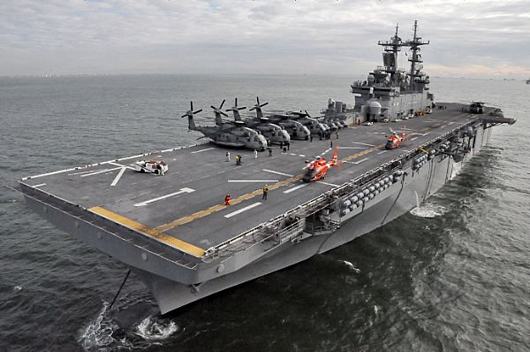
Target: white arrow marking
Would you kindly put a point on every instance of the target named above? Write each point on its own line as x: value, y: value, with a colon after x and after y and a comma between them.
x: 182, y: 190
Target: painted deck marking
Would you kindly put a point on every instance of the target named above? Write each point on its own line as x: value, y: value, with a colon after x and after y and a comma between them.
x: 294, y: 188
x: 368, y: 144
x: 328, y: 184
x: 182, y: 190
x: 213, y: 209
x: 382, y: 151
x: 350, y: 148
x: 450, y: 123
x: 200, y: 214
x: 413, y: 139
x: 169, y: 240
x: 277, y: 172
x: 360, y: 161
x: 80, y: 173
x: 228, y: 216
x: 118, y: 176
x: 39, y: 185
x: 202, y: 150
x: 126, y: 166
x: 242, y: 181
x: 100, y: 172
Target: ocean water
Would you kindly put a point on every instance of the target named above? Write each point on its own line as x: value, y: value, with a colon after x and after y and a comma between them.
x: 453, y: 275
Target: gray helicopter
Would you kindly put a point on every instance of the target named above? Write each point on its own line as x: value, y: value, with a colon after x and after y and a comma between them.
x: 272, y: 132
x: 231, y: 134
x: 316, y: 128
x: 295, y: 129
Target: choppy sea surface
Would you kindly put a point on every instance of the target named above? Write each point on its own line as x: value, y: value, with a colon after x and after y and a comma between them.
x: 453, y: 275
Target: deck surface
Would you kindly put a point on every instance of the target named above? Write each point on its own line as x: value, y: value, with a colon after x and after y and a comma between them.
x: 185, y: 208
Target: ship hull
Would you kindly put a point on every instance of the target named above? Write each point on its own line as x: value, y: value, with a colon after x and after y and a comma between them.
x: 416, y: 187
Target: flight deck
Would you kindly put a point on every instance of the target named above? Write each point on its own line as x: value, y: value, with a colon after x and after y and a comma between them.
x: 185, y: 209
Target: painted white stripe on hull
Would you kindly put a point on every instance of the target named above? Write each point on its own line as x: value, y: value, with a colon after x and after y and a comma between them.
x: 202, y: 150
x: 182, y: 190
x: 242, y: 210
x: 241, y: 181
x: 277, y: 172
x: 294, y: 188
x: 118, y: 176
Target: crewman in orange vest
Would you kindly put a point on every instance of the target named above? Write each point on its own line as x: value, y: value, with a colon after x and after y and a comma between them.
x: 227, y: 199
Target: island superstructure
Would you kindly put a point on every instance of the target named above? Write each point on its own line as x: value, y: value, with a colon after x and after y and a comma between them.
x: 176, y: 233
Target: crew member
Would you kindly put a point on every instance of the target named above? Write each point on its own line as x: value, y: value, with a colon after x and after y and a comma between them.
x: 265, y: 192
x: 228, y: 156
x: 255, y: 154
x: 227, y: 199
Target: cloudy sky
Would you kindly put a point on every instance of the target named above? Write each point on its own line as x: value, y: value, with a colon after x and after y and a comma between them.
x: 468, y: 38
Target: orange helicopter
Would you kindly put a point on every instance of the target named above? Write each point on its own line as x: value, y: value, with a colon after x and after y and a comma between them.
x: 318, y: 168
x: 394, y: 139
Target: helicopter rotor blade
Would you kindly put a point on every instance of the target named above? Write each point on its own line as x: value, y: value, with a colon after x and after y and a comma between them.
x: 222, y: 103
x: 196, y: 112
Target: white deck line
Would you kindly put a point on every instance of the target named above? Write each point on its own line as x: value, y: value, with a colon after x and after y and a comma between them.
x: 121, y: 165
x: 109, y: 161
x: 328, y: 184
x: 450, y: 123
x: 118, y: 176
x: 182, y: 190
x: 235, y: 181
x: 368, y: 144
x: 39, y: 185
x: 101, y: 171
x: 413, y: 139
x: 202, y: 150
x: 381, y: 152
x: 277, y: 172
x: 80, y: 173
x: 295, y: 188
x: 242, y: 210
x: 360, y: 161
x: 350, y: 148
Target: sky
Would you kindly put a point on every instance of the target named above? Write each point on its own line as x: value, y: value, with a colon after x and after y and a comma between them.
x: 468, y: 38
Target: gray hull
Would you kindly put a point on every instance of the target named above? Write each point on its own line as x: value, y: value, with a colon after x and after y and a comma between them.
x: 400, y: 198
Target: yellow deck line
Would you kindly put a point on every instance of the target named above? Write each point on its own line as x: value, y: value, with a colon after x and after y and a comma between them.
x: 258, y: 192
x: 169, y: 240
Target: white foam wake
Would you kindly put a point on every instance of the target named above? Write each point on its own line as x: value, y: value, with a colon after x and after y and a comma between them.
x: 428, y: 211
x: 350, y: 265
x: 98, y: 333
x: 156, y: 329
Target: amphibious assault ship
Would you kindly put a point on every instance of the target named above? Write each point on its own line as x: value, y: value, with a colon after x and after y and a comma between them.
x: 177, y: 234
